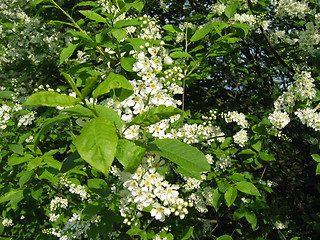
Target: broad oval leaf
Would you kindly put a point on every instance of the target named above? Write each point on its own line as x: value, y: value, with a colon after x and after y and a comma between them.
x: 179, y: 54
x: 201, y: 33
x: 119, y: 34
x: 93, y: 16
x: 129, y: 154
x: 79, y: 111
x: 155, y: 115
x: 230, y: 195
x: 251, y: 218
x: 248, y: 188
x: 216, y: 199
x: 7, y: 94
x: 51, y: 99
x: 97, y: 143
x: 110, y: 114
x: 114, y: 81
x: 231, y: 9
x: 67, y: 52
x: 186, y: 156
x: 171, y: 28
x: 127, y: 63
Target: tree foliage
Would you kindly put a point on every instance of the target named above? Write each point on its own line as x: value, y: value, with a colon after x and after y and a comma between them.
x: 143, y: 119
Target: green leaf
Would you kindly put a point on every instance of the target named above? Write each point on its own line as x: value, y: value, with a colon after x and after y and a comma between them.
x: 97, y: 143
x: 67, y: 52
x: 243, y: 27
x: 224, y: 237
x: 110, y: 114
x: 237, y: 177
x: 171, y: 28
x: 247, y: 153
x: 129, y: 154
x: 85, y: 3
x: 127, y: 23
x: 93, y: 16
x: 230, y: 195
x: 201, y: 33
x: 72, y: 84
x: 16, y: 148
x: 6, y: 94
x: 98, y: 186
x: 219, y: 26
x: 46, y: 127
x: 55, y: 22
x: 257, y: 146
x: 179, y: 54
x: 79, y: 111
x: 231, y: 10
x: 72, y: 161
x: 155, y: 115
x: 127, y: 63
x: 226, y: 143
x: 266, y: 156
x: 248, y: 188
x: 25, y: 177
x: 51, y: 162
x: 138, y: 5
x: 14, y: 196
x: 187, y: 233
x: 15, y: 160
x: 188, y: 173
x: 251, y: 218
x: 79, y: 35
x: 216, y: 199
x: 34, y: 3
x: 50, y: 99
x: 119, y: 83
x: 316, y: 157
x: 119, y: 34
x: 93, y: 208
x: 186, y: 156
x: 318, y: 169
x: 91, y: 83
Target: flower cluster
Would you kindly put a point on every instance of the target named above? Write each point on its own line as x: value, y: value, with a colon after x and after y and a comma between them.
x: 279, y: 119
x: 218, y: 8
x: 309, y: 38
x: 238, y: 118
x: 26, y: 119
x: 241, y: 137
x: 6, y: 113
x: 147, y: 188
x: 75, y: 189
x: 292, y: 8
x: 22, y: 36
x: 150, y: 29
x: 309, y: 117
x: 223, y: 163
x: 303, y: 89
x: 201, y: 199
x: 6, y: 222
x: 245, y: 18
x: 74, y: 227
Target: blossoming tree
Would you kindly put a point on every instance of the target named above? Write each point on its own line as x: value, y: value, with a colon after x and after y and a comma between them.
x: 143, y: 119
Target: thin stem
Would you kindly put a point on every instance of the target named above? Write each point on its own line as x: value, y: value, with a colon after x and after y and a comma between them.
x: 274, y: 51
x: 75, y: 24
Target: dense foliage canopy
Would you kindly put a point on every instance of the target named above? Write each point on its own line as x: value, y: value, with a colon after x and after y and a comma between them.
x: 145, y: 119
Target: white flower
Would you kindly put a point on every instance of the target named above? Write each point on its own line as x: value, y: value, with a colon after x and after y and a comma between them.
x: 279, y: 119
x: 241, y: 137
x: 7, y: 222
x: 159, y: 212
